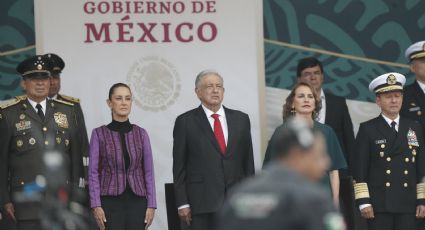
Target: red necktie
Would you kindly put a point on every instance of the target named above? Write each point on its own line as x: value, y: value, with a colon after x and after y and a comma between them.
x: 219, y: 135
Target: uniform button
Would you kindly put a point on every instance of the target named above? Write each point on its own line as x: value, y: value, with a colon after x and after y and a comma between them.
x: 388, y: 171
x: 406, y: 172
x: 46, y: 142
x: 388, y: 159
x: 410, y: 147
x: 381, y: 154
x: 22, y: 183
x: 405, y: 185
x: 44, y: 129
x: 388, y: 184
x: 382, y: 146
x: 406, y: 159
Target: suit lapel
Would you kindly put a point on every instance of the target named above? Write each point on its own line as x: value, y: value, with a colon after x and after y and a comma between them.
x: 231, y: 127
x: 31, y: 112
x: 205, y: 126
x: 328, y: 102
x: 386, y: 131
x: 419, y: 95
x: 401, y: 137
x: 49, y: 110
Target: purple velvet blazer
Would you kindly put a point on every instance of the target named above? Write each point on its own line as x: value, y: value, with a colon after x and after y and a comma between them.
x: 107, y: 176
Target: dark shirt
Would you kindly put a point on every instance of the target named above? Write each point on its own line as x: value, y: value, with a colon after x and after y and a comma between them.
x: 122, y: 128
x: 279, y: 198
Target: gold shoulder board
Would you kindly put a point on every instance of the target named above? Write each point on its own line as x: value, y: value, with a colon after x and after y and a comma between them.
x: 63, y: 102
x: 8, y: 103
x: 21, y: 97
x: 70, y: 99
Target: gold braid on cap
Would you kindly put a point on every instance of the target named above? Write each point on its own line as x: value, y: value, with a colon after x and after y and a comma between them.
x: 361, y: 191
x: 420, y: 191
x: 419, y: 54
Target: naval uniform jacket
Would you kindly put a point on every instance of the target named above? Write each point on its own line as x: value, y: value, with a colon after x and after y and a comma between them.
x: 413, y: 106
x: 23, y: 141
x: 389, y: 166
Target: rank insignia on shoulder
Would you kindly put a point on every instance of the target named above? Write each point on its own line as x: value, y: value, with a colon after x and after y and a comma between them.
x: 70, y: 99
x: 63, y: 102
x: 61, y: 120
x: 21, y: 97
x: 8, y: 103
x: 411, y: 138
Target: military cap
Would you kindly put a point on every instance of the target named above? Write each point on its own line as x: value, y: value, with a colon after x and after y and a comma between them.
x: 387, y: 82
x: 57, y: 63
x: 415, y: 51
x: 35, y: 67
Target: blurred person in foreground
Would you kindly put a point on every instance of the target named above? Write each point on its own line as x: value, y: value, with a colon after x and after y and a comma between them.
x: 303, y: 103
x: 121, y: 172
x: 286, y: 196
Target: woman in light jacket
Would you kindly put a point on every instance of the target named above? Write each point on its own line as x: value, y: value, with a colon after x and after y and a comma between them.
x: 121, y: 173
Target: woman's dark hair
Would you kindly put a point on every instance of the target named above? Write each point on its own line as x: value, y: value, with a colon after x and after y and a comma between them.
x: 287, y: 107
x: 116, y: 85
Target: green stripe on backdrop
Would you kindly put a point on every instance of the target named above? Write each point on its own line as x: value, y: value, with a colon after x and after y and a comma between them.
x: 355, y: 40
x: 17, y: 39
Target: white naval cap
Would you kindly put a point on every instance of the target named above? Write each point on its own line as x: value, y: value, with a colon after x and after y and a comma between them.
x: 415, y: 51
x: 387, y: 82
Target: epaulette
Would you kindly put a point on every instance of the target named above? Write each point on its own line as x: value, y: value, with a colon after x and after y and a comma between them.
x: 63, y: 102
x: 8, y: 103
x: 22, y: 97
x: 70, y: 99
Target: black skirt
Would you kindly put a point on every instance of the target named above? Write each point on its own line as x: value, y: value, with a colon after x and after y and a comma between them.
x: 124, y: 212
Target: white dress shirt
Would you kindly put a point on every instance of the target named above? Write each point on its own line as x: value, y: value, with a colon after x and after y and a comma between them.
x: 54, y: 97
x: 322, y: 113
x: 389, y: 121
x: 42, y: 103
x: 221, y: 117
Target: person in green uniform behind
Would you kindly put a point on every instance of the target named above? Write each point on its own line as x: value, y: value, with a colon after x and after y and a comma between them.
x: 304, y: 103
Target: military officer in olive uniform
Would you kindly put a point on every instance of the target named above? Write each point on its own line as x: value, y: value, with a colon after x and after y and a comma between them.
x: 389, y: 162
x: 414, y: 95
x: 55, y: 85
x: 31, y: 126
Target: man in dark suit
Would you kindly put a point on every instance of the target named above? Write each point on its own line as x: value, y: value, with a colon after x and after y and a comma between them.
x: 55, y: 85
x: 287, y: 196
x: 389, y: 162
x: 212, y: 152
x: 34, y: 130
x: 414, y: 95
x: 334, y: 113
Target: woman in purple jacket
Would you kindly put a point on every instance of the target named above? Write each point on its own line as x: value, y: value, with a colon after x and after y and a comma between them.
x: 121, y: 173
